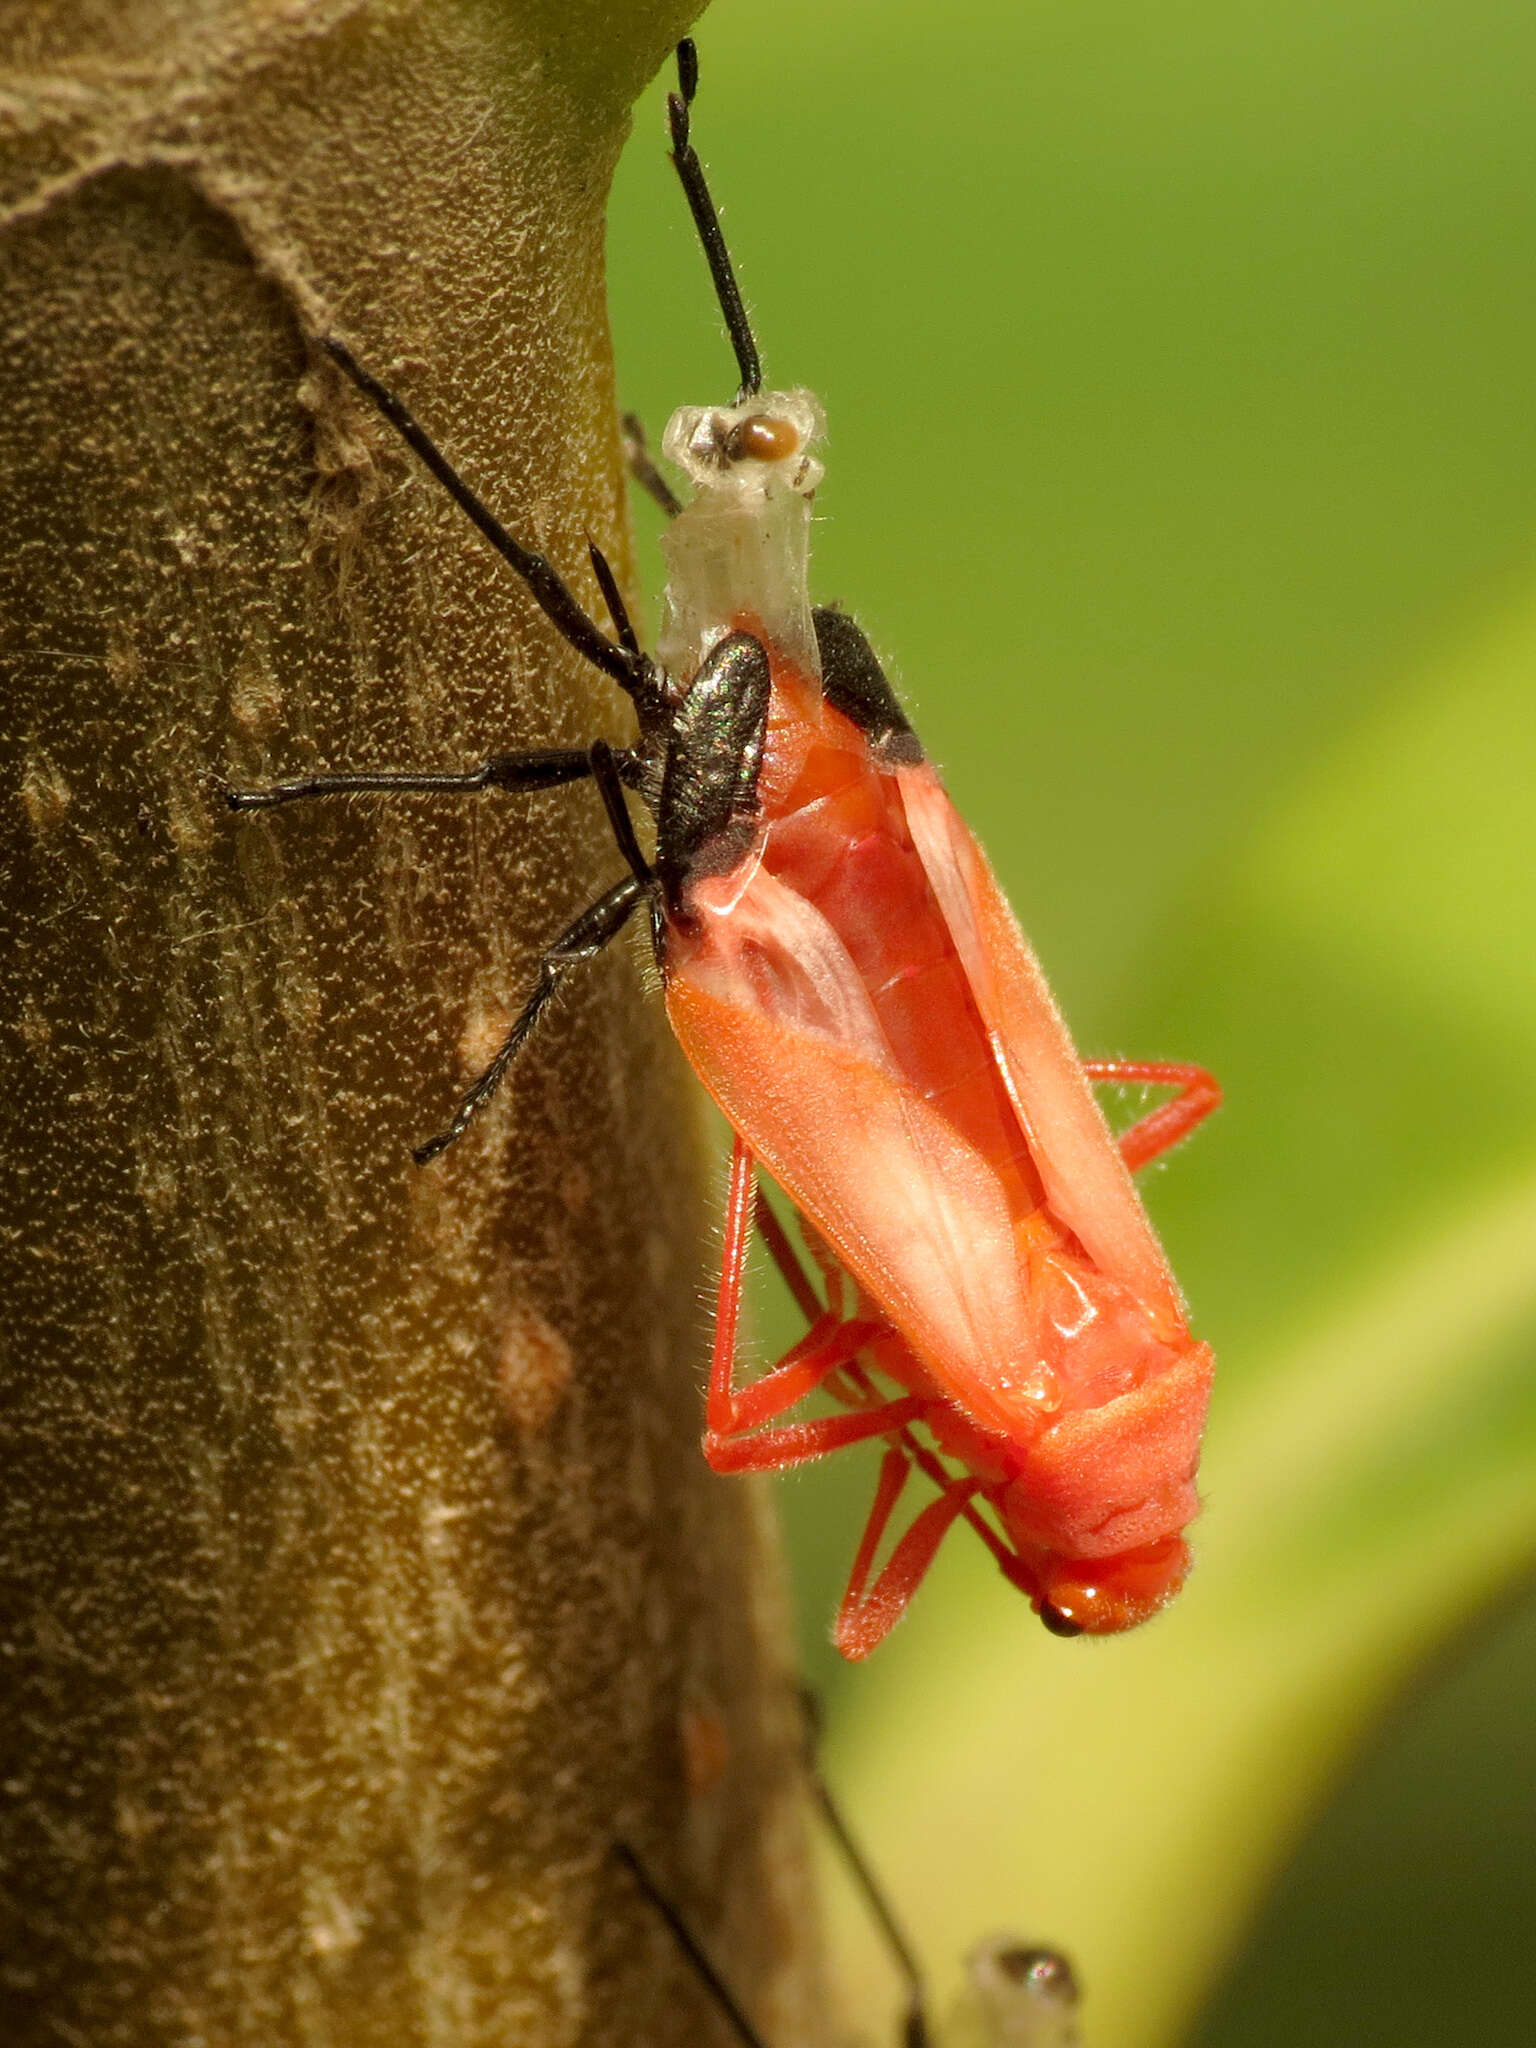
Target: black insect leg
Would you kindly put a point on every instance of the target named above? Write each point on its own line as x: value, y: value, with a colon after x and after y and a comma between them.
x: 707, y: 222
x: 637, y: 455
x: 691, y: 1947
x: 599, y: 924
x: 537, y: 768
x: 613, y: 597
x: 608, y: 773
x: 915, y: 2030
x: 627, y: 666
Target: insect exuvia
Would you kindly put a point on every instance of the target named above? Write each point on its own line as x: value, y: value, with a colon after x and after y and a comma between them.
x: 849, y: 984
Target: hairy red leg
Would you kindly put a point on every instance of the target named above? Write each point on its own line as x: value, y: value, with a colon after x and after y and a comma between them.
x: 865, y: 1619
x: 796, y: 1279
x: 1161, y: 1128
x: 796, y: 1443
x: 733, y: 1274
x: 828, y: 1345
x: 1008, y: 1560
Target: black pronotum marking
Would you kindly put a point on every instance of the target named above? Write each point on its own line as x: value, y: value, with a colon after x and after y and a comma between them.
x: 855, y: 684
x: 714, y: 751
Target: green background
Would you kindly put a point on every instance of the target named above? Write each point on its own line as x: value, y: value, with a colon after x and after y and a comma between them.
x: 1180, y: 364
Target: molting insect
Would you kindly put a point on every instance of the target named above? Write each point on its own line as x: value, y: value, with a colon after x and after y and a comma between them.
x: 849, y: 984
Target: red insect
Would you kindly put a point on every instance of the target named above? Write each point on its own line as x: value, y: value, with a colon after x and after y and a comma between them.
x: 851, y: 987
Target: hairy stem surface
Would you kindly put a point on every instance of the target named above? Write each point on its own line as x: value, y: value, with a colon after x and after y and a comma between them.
x: 362, y: 1578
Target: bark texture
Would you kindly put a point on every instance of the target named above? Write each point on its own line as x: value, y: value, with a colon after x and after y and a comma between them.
x: 362, y: 1577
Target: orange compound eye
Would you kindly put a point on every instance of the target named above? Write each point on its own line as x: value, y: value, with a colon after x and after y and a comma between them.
x: 760, y: 438
x: 1102, y: 1597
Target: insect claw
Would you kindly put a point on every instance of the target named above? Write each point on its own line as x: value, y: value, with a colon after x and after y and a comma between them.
x: 688, y: 68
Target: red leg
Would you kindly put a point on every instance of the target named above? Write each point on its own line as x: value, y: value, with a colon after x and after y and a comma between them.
x: 865, y: 1619
x: 733, y: 1272
x: 828, y: 1345
x: 1161, y: 1128
x: 796, y: 1443
x: 1007, y: 1557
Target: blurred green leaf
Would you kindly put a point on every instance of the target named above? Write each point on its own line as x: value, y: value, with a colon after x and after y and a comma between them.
x: 1178, y: 369
x: 1369, y: 1486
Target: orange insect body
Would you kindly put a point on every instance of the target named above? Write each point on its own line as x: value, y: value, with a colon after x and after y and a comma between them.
x: 849, y: 983
x: 859, y: 1001
x: 851, y: 987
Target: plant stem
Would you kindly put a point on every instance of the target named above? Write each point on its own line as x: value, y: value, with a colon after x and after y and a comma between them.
x: 362, y: 1577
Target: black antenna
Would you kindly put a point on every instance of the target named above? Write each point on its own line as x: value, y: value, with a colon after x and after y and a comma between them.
x: 689, y: 1943
x: 707, y: 221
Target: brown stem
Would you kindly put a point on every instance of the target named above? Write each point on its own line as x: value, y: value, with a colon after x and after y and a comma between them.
x: 361, y: 1574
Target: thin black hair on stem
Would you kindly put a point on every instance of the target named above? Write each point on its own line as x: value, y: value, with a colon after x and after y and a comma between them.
x: 696, y: 191
x: 691, y: 1947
